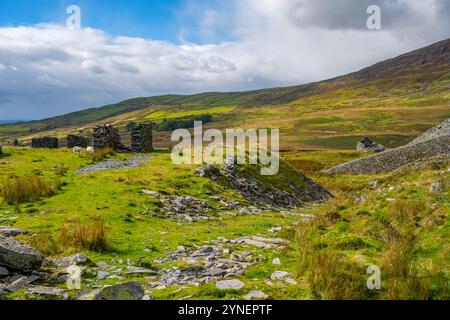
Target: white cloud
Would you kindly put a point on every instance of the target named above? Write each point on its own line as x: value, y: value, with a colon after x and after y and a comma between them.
x: 59, y: 70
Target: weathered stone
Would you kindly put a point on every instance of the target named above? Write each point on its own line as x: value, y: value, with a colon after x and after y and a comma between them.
x: 77, y: 260
x: 276, y: 261
x: 367, y: 145
x: 280, y: 275
x: 17, y: 256
x: 256, y: 295
x: 434, y: 188
x: 230, y: 285
x: 102, y: 275
x: 431, y: 147
x: 45, y: 142
x: 48, y: 293
x: 11, y: 232
x: 261, y: 195
x: 142, y: 138
x: 3, y: 272
x: 107, y: 136
x: 122, y: 291
x: 77, y: 141
x: 139, y: 270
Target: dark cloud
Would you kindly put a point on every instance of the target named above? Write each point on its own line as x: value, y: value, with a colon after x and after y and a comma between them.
x: 346, y: 14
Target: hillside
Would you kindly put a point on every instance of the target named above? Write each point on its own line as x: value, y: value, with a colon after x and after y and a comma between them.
x: 392, y: 101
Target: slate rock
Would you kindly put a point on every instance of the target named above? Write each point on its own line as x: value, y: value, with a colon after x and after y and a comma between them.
x: 17, y: 256
x: 230, y: 285
x: 123, y: 291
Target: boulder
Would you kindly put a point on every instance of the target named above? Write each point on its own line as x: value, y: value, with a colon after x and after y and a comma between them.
x: 4, y: 272
x: 230, y: 285
x: 11, y: 232
x: 256, y: 295
x: 17, y: 256
x: 47, y: 293
x: 75, y: 260
x: 123, y: 291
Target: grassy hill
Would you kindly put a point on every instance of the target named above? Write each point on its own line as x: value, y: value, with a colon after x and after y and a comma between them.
x: 392, y: 101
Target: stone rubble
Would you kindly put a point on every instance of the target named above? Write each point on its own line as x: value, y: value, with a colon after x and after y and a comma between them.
x: 132, y: 162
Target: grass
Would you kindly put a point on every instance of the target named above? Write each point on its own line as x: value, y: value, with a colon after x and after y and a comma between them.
x: 98, y: 155
x: 27, y: 189
x: 401, y: 228
x: 328, y: 256
x: 92, y: 236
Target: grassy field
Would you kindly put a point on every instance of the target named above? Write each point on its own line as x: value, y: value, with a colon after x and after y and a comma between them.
x: 327, y: 257
x: 393, y: 102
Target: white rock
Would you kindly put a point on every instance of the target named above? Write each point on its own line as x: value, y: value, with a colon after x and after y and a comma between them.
x: 256, y: 295
x: 280, y: 275
x: 291, y: 281
x: 276, y: 261
x: 102, y: 275
x: 230, y: 285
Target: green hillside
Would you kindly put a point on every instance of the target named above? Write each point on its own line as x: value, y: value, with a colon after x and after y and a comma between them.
x: 392, y: 101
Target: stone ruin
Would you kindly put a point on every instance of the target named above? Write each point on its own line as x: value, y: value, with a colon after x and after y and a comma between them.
x: 45, y: 142
x: 141, y: 137
x: 367, y: 145
x: 77, y: 141
x: 106, y: 136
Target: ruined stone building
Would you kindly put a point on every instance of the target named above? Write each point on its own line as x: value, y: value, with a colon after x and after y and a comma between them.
x: 141, y: 137
x: 45, y: 142
x: 78, y: 141
x: 106, y: 136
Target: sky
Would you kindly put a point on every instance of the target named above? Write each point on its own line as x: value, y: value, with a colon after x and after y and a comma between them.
x: 134, y: 48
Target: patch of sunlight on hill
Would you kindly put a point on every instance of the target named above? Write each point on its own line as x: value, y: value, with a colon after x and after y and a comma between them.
x: 168, y: 114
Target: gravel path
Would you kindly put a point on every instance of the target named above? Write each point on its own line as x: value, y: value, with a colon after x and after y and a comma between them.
x: 132, y: 162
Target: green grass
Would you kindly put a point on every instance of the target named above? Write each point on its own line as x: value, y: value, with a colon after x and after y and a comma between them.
x: 348, y: 238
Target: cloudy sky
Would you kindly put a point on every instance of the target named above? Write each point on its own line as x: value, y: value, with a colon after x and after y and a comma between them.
x: 136, y: 48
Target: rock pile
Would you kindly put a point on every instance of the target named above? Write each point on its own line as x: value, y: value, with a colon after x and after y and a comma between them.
x: 432, y: 146
x: 132, y: 162
x: 45, y: 142
x: 267, y: 197
x: 186, y: 208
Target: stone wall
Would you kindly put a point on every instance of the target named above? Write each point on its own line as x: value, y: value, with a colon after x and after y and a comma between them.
x: 45, y: 142
x: 106, y: 136
x: 141, y: 137
x: 77, y: 141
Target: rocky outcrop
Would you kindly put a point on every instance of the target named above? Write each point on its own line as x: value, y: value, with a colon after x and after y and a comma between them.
x: 441, y: 130
x: 262, y: 195
x: 17, y: 256
x: 432, y: 146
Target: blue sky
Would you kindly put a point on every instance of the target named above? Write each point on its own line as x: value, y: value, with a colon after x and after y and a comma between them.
x: 152, y: 19
x: 135, y: 48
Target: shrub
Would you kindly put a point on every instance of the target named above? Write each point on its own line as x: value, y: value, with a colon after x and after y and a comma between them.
x: 327, y: 272
x: 89, y: 236
x: 46, y: 244
x: 27, y: 189
x: 60, y: 170
x: 98, y: 155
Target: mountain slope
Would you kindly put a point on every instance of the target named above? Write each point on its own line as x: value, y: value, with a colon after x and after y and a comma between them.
x: 392, y: 101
